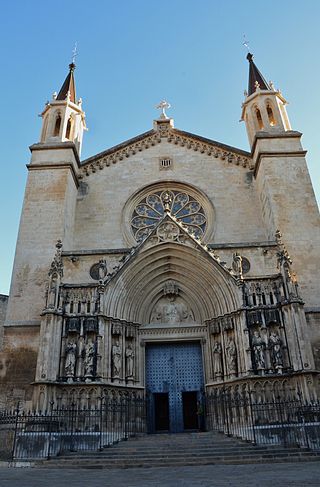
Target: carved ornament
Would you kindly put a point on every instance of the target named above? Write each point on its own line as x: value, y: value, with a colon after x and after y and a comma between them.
x: 172, y: 136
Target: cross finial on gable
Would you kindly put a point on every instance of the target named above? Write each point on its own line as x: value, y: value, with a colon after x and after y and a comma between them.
x: 163, y: 106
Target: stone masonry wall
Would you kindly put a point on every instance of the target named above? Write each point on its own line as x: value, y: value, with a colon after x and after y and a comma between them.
x: 230, y: 188
x: 3, y: 310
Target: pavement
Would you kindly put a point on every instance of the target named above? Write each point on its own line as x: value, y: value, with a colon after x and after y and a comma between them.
x: 262, y: 475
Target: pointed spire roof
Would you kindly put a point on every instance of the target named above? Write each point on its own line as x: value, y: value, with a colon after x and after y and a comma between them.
x: 69, y: 85
x: 255, y: 77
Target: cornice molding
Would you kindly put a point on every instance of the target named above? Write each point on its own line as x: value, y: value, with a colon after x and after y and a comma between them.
x: 300, y: 153
x: 171, y: 135
x: 41, y: 167
x: 275, y: 135
x: 57, y: 146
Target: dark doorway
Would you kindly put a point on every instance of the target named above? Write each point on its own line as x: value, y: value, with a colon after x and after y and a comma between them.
x: 189, y: 404
x: 171, y: 369
x: 161, y: 411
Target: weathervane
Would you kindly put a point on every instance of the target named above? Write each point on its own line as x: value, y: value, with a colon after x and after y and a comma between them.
x: 163, y: 106
x: 74, y: 53
x: 246, y: 42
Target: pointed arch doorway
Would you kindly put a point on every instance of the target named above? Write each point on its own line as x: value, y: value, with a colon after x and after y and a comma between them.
x: 174, y: 384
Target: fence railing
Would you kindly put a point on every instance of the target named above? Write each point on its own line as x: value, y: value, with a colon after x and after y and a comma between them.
x: 275, y: 422
x: 73, y: 428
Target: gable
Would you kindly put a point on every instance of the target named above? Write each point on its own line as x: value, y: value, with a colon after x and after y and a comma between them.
x: 174, y: 136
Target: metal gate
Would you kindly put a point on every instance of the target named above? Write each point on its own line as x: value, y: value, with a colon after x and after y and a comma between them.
x: 173, y: 369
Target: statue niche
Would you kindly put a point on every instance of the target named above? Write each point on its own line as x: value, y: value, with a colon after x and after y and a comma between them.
x: 171, y: 308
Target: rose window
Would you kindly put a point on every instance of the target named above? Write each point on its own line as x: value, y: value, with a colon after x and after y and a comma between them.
x: 185, y: 208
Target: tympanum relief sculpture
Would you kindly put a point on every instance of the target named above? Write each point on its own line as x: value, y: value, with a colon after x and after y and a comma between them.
x: 171, y: 307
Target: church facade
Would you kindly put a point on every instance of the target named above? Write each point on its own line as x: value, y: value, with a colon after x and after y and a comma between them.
x: 167, y: 267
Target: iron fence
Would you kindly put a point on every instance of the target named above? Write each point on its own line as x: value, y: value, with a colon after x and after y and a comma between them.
x: 36, y: 435
x: 73, y: 428
x: 291, y: 422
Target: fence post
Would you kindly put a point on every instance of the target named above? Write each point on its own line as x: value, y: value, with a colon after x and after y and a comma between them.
x: 101, y: 422
x: 72, y: 427
x: 303, y: 407
x: 50, y: 428
x: 252, y: 417
x: 226, y: 409
x: 15, y: 431
x: 129, y: 401
x: 284, y: 436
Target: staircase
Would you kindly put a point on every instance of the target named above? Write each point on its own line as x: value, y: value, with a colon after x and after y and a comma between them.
x: 185, y: 449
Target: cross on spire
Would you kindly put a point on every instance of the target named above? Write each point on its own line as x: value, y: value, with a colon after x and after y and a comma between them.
x: 74, y: 53
x: 246, y: 43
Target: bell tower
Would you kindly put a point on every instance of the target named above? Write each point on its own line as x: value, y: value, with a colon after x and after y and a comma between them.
x: 282, y: 179
x: 264, y: 108
x: 49, y: 203
x: 63, y: 118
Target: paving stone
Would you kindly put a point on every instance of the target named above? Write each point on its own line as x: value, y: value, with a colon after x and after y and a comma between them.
x: 275, y: 475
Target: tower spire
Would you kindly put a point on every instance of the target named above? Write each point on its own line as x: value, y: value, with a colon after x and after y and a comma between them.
x: 263, y: 109
x: 63, y: 117
x: 69, y: 85
x: 256, y: 79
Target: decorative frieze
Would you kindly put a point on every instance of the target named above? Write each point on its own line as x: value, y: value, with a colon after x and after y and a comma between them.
x: 173, y: 136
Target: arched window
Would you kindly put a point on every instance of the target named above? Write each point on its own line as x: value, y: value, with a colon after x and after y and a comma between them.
x: 151, y: 209
x: 259, y: 119
x: 68, y: 130
x: 57, y: 126
x: 271, y: 118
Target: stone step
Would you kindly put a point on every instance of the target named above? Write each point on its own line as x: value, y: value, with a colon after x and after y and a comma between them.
x: 232, y: 460
x: 179, y: 450
x: 147, y: 455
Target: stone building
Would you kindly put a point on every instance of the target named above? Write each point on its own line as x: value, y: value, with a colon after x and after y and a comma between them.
x: 169, y: 266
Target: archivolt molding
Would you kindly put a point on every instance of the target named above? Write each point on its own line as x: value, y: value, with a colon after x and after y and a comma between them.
x: 179, y: 235
x: 206, y: 286
x: 171, y: 135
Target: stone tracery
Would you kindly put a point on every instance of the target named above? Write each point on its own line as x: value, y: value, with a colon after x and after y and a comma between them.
x: 151, y: 209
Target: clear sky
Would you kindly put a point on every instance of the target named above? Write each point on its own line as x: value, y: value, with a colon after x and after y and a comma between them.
x: 133, y: 53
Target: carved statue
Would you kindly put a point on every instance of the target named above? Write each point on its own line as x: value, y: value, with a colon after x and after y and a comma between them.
x: 70, y: 363
x: 231, y: 353
x: 102, y: 269
x: 89, y: 358
x: 237, y: 264
x: 170, y: 311
x: 116, y: 360
x: 167, y: 200
x: 129, y: 361
x: 217, y: 360
x: 52, y: 292
x: 275, y: 346
x: 258, y: 346
x: 156, y: 315
x: 55, y: 275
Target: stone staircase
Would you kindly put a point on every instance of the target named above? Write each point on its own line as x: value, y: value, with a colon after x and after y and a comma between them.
x: 185, y: 449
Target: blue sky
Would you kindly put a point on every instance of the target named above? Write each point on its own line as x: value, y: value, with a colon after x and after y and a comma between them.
x: 133, y: 53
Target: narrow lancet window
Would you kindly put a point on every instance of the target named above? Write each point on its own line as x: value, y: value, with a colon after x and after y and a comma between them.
x: 259, y: 119
x: 68, y: 131
x: 56, y: 132
x: 272, y: 120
